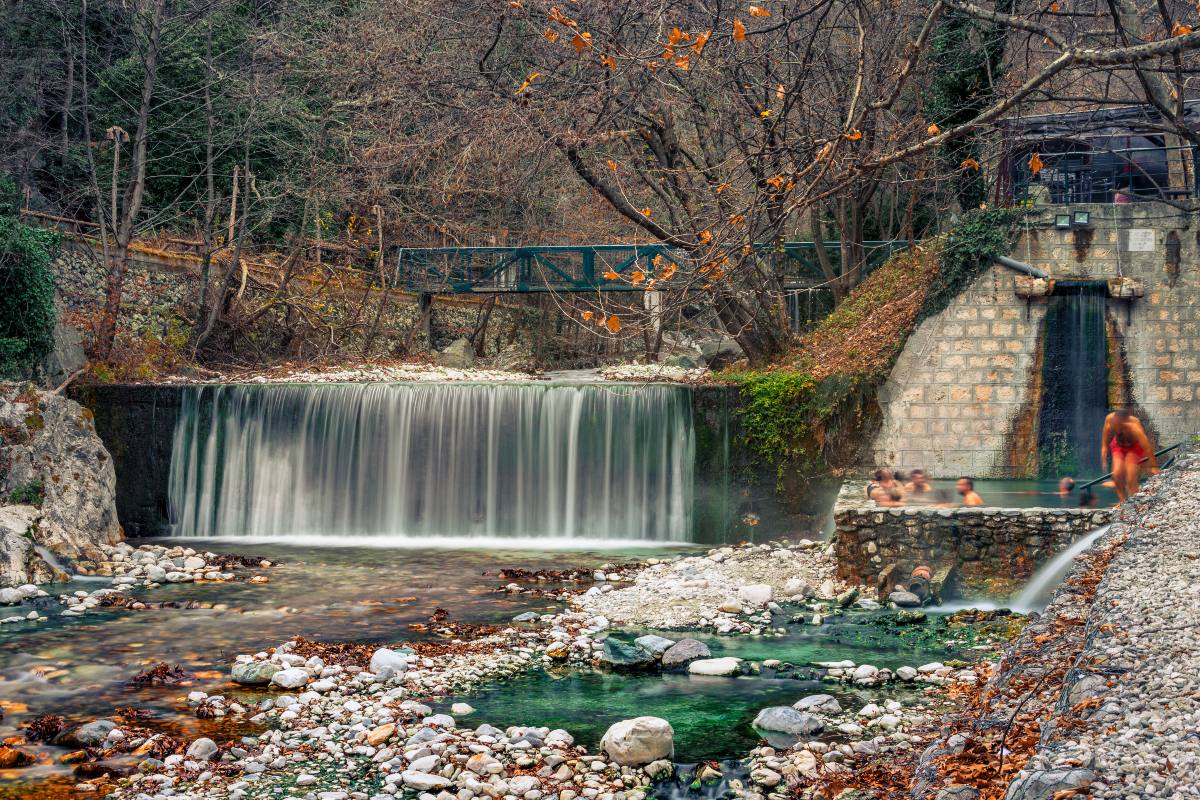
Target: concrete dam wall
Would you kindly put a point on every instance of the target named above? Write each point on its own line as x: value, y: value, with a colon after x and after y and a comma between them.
x: 992, y: 386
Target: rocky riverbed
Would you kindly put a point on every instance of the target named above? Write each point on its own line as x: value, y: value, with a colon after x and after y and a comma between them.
x: 353, y: 720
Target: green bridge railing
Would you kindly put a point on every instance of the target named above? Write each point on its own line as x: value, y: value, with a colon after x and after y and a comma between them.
x: 581, y: 268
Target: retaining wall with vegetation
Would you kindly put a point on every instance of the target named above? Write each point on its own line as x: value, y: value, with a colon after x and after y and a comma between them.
x: 988, y: 547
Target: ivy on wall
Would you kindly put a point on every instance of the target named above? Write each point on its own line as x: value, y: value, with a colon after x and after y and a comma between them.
x: 803, y: 413
x: 27, y: 315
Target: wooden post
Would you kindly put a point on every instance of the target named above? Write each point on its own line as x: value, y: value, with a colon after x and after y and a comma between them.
x: 233, y: 207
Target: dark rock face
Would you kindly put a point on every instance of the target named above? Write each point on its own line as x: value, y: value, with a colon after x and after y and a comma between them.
x: 137, y: 425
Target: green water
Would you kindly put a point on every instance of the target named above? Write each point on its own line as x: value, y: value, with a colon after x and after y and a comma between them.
x: 711, y: 716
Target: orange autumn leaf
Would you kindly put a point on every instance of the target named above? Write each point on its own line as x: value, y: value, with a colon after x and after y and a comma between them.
x: 682, y: 63
x: 737, y: 220
x: 969, y: 163
x: 637, y: 277
x: 765, y: 113
x: 1036, y: 164
x: 652, y: 66
x: 759, y: 11
x: 933, y: 129
x: 600, y: 321
x: 825, y: 151
x: 722, y: 187
x: 612, y: 165
x: 775, y: 181
x: 551, y: 36
x: 701, y: 40
x: 668, y: 53
x: 739, y: 31
x: 581, y: 42
x: 668, y: 271
x: 609, y: 62
x: 645, y: 212
x: 1180, y: 29
x: 532, y: 77
x: 562, y: 19
x: 853, y: 135
x: 675, y: 36
x: 705, y: 236
x: 613, y: 323
x: 611, y: 276
x: 780, y: 92
x: 1054, y: 8
x: 587, y: 315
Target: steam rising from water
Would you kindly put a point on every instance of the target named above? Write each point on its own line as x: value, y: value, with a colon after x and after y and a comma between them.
x: 502, y: 463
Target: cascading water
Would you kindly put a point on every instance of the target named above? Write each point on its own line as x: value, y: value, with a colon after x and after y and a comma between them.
x: 1074, y: 381
x: 1042, y: 584
x: 434, y: 462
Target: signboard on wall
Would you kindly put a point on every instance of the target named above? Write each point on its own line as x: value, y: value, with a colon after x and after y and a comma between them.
x: 1141, y: 240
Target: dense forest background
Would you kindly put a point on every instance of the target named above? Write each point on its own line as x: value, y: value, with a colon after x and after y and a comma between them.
x: 261, y: 127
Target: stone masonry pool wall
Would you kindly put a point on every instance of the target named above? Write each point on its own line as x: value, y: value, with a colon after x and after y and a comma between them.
x: 986, y: 545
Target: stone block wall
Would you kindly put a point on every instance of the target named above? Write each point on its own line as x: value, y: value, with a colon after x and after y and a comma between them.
x: 962, y: 379
x: 990, y: 547
x: 958, y: 396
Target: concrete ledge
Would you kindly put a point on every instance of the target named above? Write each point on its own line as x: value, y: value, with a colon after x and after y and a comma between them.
x: 989, y: 547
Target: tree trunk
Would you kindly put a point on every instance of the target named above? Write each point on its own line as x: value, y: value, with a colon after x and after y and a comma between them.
x: 114, y: 281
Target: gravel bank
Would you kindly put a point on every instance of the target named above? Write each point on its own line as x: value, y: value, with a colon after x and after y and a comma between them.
x: 731, y: 589
x: 1127, y: 723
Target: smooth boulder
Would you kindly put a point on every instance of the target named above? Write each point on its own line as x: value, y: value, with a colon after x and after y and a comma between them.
x: 683, y: 652
x: 821, y: 703
x: 654, y: 645
x: 637, y: 741
x: 290, y: 678
x: 254, y: 673
x: 620, y: 656
x: 785, y: 719
x: 715, y: 666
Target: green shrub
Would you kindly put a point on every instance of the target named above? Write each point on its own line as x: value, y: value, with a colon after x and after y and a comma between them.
x: 26, y: 296
x: 31, y: 494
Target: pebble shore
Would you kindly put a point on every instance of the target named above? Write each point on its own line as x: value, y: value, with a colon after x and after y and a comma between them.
x: 1127, y: 723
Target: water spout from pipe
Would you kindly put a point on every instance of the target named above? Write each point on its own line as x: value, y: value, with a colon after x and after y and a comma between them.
x: 1041, y: 586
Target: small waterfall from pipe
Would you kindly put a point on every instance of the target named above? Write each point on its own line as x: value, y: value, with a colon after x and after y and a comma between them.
x: 1074, y: 381
x: 1042, y: 584
x: 435, y: 462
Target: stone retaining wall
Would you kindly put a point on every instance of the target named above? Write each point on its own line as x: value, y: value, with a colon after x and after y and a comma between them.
x: 989, y: 547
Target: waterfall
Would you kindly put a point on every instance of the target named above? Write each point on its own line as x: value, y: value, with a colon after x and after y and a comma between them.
x: 1074, y: 381
x: 1042, y: 584
x: 435, y: 462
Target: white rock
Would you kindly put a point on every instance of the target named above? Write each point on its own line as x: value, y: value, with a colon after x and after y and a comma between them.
x: 715, y: 666
x: 423, y: 780
x: 384, y: 658
x: 757, y: 594
x: 637, y: 741
x: 461, y: 708
x: 290, y: 678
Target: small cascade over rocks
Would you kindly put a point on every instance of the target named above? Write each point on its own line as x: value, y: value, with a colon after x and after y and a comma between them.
x: 435, y: 463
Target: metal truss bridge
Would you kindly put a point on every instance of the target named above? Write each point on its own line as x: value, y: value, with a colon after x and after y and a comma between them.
x: 581, y: 268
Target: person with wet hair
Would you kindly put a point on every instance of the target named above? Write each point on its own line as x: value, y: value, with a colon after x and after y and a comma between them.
x: 966, y: 488
x: 918, y: 488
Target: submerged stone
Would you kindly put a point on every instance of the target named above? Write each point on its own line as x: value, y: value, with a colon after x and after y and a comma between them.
x: 715, y: 666
x: 904, y: 599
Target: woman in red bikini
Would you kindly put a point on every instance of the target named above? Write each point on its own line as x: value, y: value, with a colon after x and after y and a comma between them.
x: 1126, y: 438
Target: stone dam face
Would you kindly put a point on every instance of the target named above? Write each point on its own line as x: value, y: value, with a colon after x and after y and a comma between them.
x: 518, y: 461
